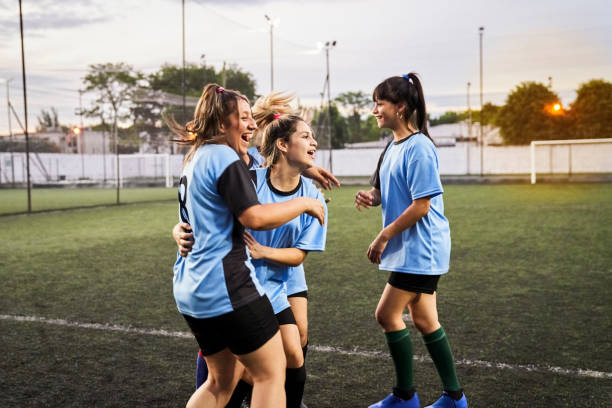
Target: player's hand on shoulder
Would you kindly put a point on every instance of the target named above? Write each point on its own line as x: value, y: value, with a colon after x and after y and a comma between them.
x: 315, y: 208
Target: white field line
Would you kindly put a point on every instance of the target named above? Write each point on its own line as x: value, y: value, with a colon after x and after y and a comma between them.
x: 323, y: 349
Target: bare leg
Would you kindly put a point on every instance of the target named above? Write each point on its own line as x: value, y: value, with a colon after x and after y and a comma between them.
x: 391, y: 307
x: 299, y: 307
x: 266, y: 365
x: 224, y: 372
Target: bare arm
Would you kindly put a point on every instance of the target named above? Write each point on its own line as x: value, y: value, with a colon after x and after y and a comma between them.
x: 283, y: 256
x: 367, y: 199
x: 321, y: 176
x: 417, y: 210
x: 269, y: 216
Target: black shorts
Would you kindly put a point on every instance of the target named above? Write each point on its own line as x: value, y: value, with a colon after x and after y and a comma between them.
x: 286, y: 316
x: 303, y: 294
x: 412, y: 282
x: 242, y: 331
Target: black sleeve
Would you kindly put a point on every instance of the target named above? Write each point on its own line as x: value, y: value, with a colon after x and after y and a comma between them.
x: 236, y: 188
x: 375, y: 179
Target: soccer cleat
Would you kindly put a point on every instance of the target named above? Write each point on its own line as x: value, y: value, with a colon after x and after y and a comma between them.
x: 393, y: 401
x: 447, y: 402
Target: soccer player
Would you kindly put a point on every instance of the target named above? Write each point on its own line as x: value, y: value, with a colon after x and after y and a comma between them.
x: 414, y: 244
x: 289, y: 146
x: 214, y: 286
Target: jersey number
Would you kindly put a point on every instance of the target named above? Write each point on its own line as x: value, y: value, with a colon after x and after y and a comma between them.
x: 182, y: 197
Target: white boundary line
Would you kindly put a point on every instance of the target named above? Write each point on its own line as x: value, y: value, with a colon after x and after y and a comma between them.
x: 323, y: 349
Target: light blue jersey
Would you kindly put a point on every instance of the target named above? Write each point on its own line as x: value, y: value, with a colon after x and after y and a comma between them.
x: 409, y: 170
x: 303, y: 232
x: 257, y: 159
x: 217, y: 276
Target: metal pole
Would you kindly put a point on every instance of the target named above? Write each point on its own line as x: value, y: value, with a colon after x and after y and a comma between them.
x: 328, y: 45
x: 25, y: 109
x: 469, y: 127
x: 183, y: 80
x: 8, y: 111
x: 271, y: 24
x: 480, y: 32
x: 81, y: 134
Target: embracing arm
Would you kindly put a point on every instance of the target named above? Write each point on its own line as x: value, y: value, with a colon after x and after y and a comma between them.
x: 417, y: 210
x: 321, y: 176
x: 283, y: 256
x: 269, y: 216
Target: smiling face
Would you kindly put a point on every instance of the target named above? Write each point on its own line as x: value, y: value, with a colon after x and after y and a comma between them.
x: 301, y: 147
x: 387, y: 114
x: 240, y: 127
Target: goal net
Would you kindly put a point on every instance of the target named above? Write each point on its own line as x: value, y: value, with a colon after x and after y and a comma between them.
x: 570, y: 157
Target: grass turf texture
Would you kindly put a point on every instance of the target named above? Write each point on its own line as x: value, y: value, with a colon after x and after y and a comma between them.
x: 529, y: 283
x: 14, y: 201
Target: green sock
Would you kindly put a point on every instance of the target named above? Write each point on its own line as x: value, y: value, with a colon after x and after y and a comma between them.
x: 400, y: 347
x: 440, y: 352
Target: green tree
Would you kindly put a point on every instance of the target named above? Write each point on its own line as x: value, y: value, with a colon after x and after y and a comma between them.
x: 169, y: 79
x: 527, y: 115
x: 48, y: 120
x: 446, y: 118
x: 355, y: 102
x: 320, y: 125
x: 114, y: 85
x: 591, y: 112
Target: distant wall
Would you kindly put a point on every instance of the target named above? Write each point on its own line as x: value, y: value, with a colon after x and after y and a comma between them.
x: 461, y: 159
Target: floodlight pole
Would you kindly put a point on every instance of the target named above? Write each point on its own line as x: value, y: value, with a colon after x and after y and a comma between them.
x: 183, y: 74
x: 329, y: 45
x: 10, y: 129
x: 469, y: 108
x: 480, y: 33
x: 271, y: 24
x: 82, y: 134
x: 25, y: 109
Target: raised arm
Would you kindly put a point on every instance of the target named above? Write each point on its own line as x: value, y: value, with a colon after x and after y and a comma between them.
x: 269, y: 216
x: 367, y: 199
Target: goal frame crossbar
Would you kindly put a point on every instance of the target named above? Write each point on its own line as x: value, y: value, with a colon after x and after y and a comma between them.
x: 568, y: 142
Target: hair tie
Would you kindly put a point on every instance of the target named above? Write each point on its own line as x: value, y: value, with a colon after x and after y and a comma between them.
x: 276, y: 116
x: 220, y: 89
x: 407, y: 76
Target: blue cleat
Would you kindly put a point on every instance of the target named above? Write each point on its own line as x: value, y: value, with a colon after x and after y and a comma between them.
x: 447, y: 402
x: 393, y: 401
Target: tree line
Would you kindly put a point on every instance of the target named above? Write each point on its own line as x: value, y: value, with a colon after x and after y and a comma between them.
x: 137, y: 101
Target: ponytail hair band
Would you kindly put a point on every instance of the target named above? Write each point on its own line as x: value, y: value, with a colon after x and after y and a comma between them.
x: 277, y: 115
x: 407, y: 76
x: 220, y: 89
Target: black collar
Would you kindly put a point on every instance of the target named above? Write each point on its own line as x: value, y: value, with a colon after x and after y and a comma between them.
x: 406, y: 138
x: 279, y: 192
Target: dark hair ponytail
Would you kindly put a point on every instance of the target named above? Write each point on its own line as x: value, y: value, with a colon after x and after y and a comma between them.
x: 406, y: 89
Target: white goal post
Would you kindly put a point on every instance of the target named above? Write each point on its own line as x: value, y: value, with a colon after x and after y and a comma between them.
x: 552, y: 143
x: 145, y: 166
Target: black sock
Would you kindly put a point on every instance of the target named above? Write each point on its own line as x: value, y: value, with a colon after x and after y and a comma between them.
x: 403, y: 394
x: 294, y: 386
x: 456, y: 395
x: 241, y: 391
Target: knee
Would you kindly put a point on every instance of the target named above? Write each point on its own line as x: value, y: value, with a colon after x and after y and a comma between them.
x: 295, y: 358
x: 425, y: 325
x: 304, y: 337
x: 387, y: 321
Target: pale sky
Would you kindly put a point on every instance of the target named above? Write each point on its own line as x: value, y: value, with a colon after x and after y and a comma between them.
x: 523, y: 41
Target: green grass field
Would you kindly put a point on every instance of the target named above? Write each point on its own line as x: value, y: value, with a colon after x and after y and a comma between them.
x: 14, y: 201
x: 529, y: 291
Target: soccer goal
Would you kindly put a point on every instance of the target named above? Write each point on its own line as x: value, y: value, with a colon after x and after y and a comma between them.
x: 571, y: 156
x: 145, y: 169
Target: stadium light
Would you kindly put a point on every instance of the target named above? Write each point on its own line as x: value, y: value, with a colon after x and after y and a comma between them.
x: 76, y: 130
x: 555, y: 109
x: 271, y: 22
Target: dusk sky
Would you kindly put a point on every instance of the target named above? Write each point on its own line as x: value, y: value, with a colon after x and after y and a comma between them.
x: 523, y: 41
